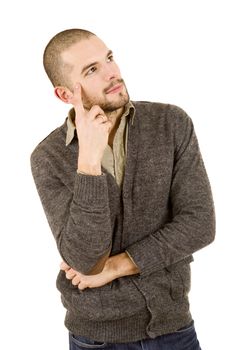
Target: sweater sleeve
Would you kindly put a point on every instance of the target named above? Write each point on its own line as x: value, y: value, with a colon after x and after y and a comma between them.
x: 193, y: 219
x: 79, y: 219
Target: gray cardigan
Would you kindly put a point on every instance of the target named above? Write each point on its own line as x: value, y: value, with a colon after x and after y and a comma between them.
x: 162, y: 216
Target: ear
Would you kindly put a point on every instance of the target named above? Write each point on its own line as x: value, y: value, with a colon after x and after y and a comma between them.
x: 63, y: 93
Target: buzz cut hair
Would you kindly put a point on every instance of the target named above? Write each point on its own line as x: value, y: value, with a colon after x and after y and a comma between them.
x: 57, y: 70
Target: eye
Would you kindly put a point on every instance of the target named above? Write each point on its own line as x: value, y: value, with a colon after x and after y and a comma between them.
x: 110, y: 58
x: 91, y: 71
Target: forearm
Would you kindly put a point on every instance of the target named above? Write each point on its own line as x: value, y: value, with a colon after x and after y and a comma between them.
x: 121, y: 265
x: 78, y: 214
x: 116, y: 266
x: 87, y: 236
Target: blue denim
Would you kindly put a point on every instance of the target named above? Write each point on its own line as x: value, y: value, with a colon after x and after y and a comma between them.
x: 183, y: 339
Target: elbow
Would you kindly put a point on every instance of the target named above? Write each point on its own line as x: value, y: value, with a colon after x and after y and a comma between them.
x: 209, y: 236
x: 88, y: 262
x: 85, y: 266
x: 92, y: 267
x: 212, y: 224
x: 99, y: 264
x: 208, y: 228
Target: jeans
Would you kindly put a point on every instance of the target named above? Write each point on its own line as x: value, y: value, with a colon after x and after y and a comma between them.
x: 183, y: 339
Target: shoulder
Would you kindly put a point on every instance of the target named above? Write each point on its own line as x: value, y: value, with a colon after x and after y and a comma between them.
x: 163, y: 115
x: 50, y: 144
x: 159, y: 109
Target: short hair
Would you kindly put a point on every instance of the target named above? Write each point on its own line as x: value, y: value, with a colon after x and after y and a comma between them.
x: 56, y: 69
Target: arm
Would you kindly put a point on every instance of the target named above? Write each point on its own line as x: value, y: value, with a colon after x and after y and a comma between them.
x: 115, y: 267
x: 193, y: 221
x: 79, y: 218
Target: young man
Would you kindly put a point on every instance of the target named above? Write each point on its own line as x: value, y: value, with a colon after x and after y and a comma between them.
x: 127, y: 197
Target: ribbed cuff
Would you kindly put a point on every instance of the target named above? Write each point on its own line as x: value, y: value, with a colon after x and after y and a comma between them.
x: 131, y: 258
x: 91, y: 188
x: 145, y: 262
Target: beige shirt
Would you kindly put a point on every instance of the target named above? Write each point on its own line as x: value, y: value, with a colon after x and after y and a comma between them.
x: 113, y: 158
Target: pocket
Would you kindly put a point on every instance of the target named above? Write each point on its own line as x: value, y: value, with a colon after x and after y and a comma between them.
x: 187, y: 328
x: 85, y: 343
x: 184, y: 338
x: 87, y: 303
x: 117, y: 300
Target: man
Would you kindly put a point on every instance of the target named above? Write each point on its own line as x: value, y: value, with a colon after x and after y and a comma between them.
x: 127, y: 197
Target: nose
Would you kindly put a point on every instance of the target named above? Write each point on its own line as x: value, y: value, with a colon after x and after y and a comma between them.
x: 110, y: 72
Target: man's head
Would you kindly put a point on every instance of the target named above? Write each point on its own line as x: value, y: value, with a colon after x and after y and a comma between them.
x: 79, y: 56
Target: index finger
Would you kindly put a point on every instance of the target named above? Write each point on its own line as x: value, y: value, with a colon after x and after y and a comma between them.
x: 64, y: 266
x: 77, y: 99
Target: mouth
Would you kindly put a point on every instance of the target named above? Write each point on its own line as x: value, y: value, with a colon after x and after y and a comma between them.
x: 116, y: 88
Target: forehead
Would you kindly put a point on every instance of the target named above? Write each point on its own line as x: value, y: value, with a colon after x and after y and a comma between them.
x: 84, y: 52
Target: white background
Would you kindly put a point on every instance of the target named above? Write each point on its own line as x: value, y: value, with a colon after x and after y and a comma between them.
x: 176, y: 51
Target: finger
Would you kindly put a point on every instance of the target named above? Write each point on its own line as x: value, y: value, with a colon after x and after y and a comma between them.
x: 108, y: 125
x: 76, y: 280
x: 95, y: 112
x: 82, y: 285
x: 70, y: 274
x: 101, y: 118
x: 64, y: 266
x: 77, y: 100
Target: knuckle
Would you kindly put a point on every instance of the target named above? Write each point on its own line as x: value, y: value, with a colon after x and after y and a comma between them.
x: 74, y: 281
x: 97, y: 109
x: 82, y: 286
x: 94, y: 108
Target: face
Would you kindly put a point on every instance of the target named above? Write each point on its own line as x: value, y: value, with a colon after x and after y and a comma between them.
x: 93, y: 66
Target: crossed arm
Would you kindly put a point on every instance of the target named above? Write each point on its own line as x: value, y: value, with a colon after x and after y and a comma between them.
x: 115, y: 266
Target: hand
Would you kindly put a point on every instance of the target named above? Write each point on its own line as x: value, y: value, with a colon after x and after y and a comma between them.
x: 88, y: 281
x: 116, y: 266
x: 93, y: 128
x: 70, y: 273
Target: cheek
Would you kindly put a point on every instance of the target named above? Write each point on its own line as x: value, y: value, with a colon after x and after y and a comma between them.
x: 92, y: 87
x: 92, y: 92
x: 117, y: 70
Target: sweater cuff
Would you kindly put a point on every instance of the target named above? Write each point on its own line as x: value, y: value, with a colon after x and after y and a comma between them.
x: 142, y: 260
x: 91, y: 189
x: 130, y: 257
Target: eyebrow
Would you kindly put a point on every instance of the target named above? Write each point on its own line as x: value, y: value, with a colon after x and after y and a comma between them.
x: 94, y: 63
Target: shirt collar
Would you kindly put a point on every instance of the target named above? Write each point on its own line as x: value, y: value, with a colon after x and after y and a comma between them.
x: 129, y: 111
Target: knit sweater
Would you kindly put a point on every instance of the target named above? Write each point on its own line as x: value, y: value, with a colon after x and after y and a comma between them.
x: 163, y: 214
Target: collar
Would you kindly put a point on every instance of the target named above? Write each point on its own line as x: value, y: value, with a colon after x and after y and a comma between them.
x: 128, y: 112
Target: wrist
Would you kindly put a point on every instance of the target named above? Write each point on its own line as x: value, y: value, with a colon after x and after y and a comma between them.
x: 128, y: 267
x: 121, y: 265
x: 89, y: 168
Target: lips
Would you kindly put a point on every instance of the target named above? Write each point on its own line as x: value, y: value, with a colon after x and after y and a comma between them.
x: 114, y: 89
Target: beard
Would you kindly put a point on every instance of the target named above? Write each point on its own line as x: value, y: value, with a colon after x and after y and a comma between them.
x: 106, y: 105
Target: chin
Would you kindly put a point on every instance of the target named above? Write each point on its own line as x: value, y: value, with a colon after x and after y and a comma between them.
x: 111, y: 106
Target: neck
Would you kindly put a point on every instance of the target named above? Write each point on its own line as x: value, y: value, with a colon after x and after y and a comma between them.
x: 113, y: 116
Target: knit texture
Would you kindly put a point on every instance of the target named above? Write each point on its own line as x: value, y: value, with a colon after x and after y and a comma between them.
x: 163, y: 215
